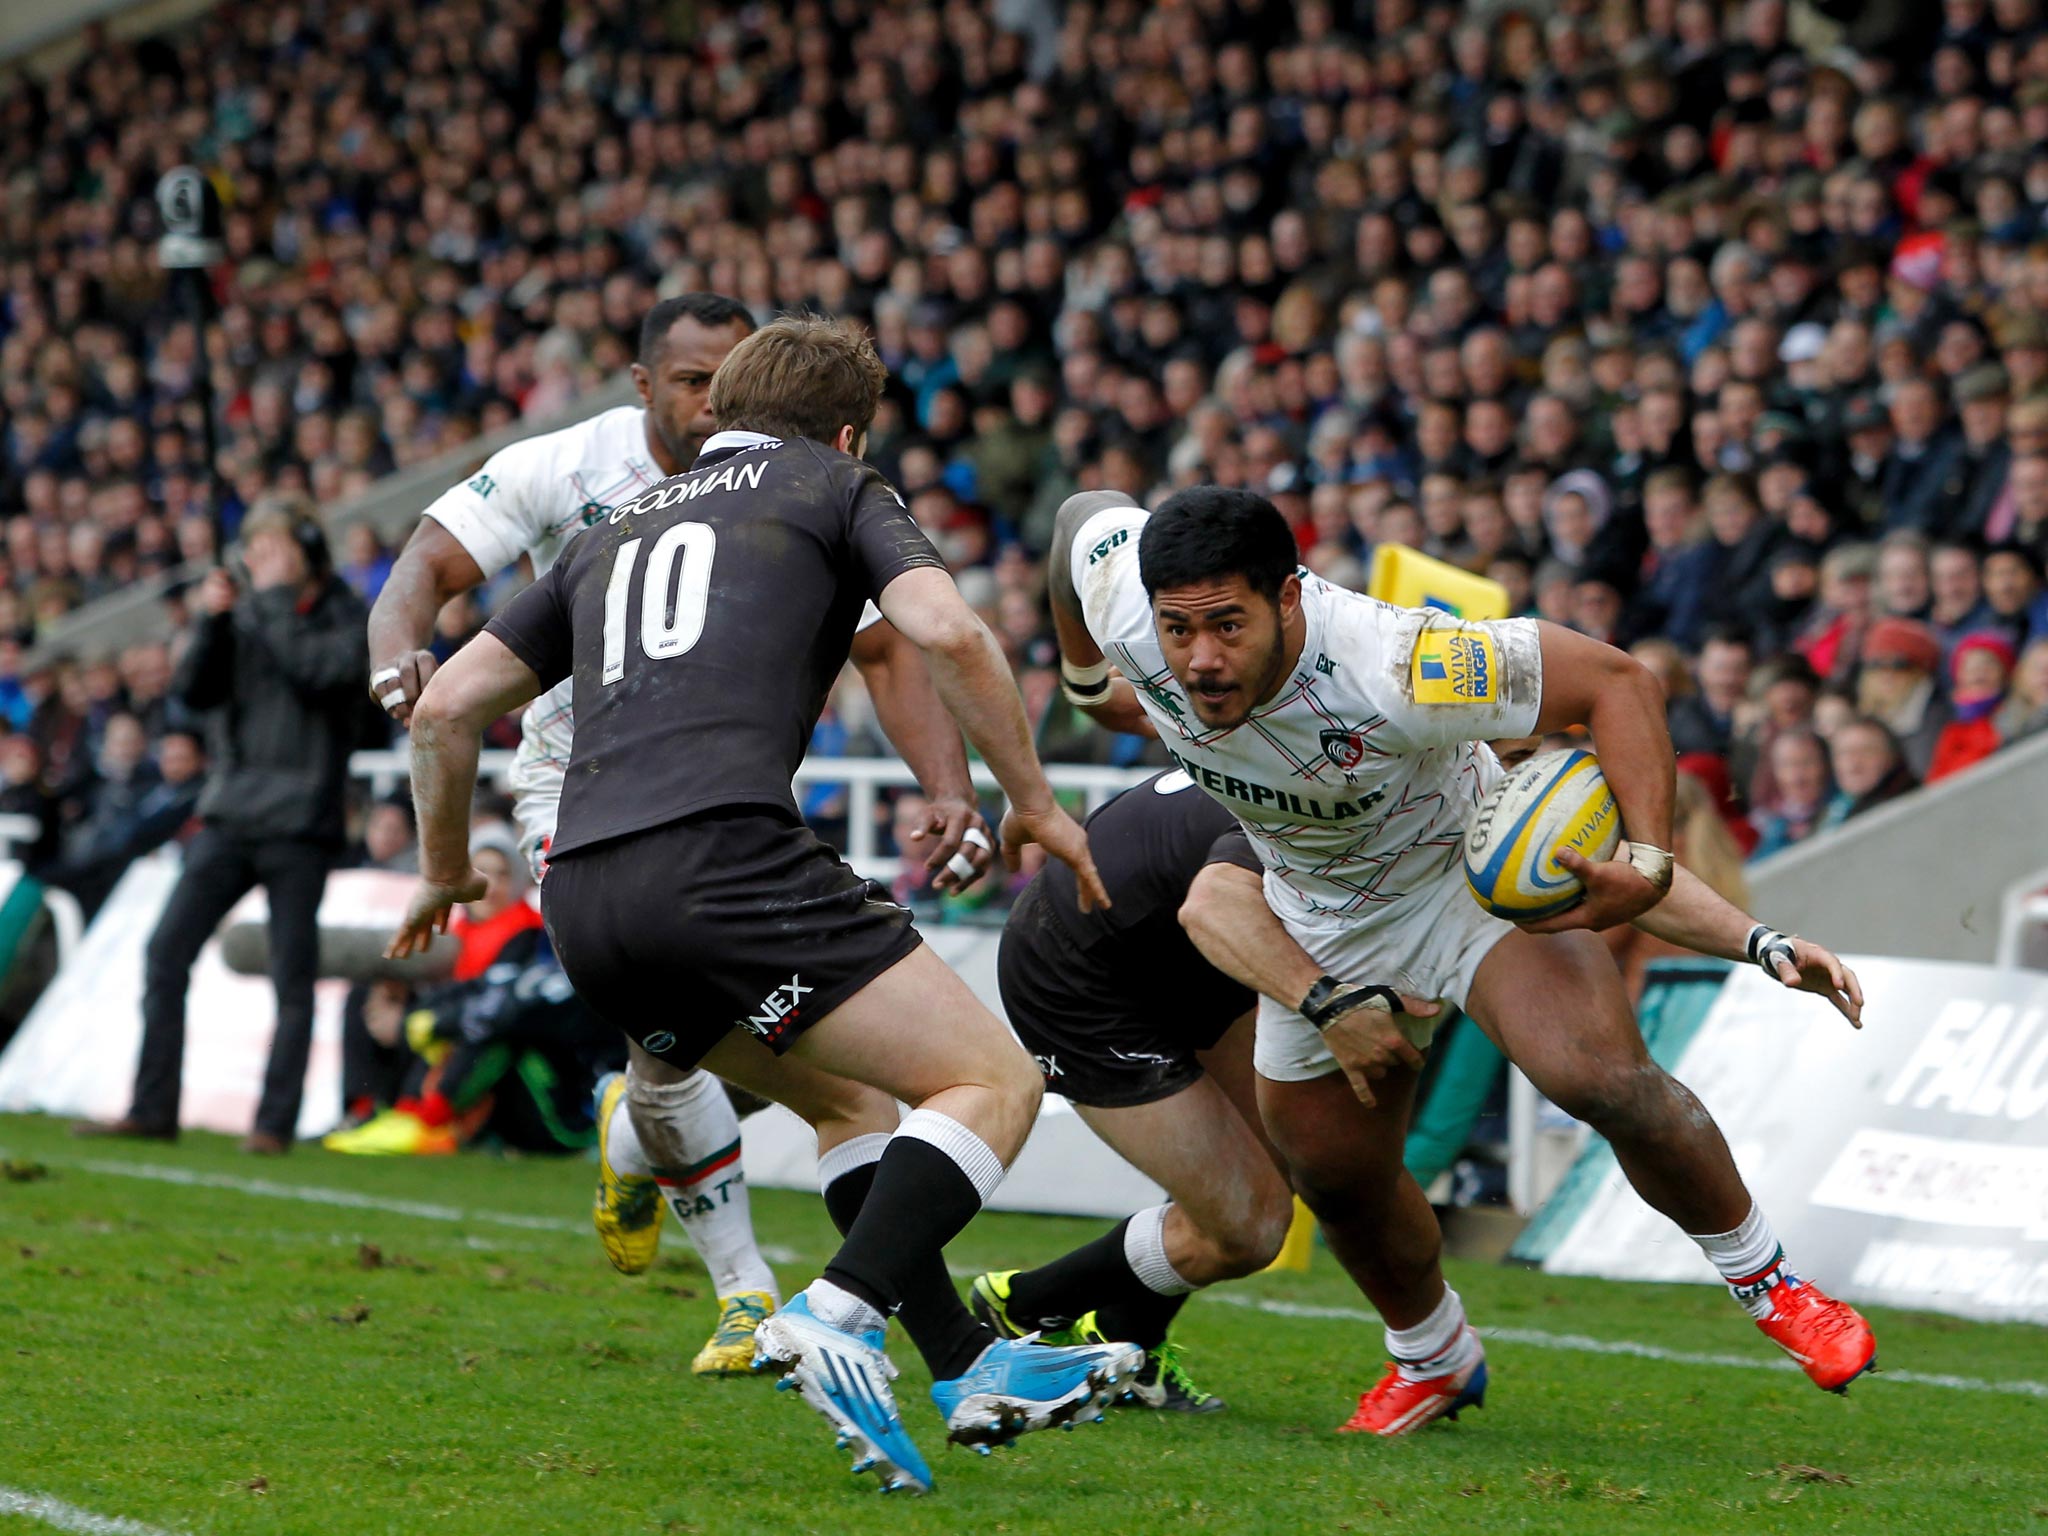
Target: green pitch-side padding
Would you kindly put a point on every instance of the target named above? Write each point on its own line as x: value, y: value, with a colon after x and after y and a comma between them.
x: 1677, y: 996
x: 1463, y: 1067
x: 18, y: 910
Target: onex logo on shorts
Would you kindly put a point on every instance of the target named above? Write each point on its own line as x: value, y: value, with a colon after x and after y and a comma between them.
x: 1454, y: 667
x: 776, y: 1009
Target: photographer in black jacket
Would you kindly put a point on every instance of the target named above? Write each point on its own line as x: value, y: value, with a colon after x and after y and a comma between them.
x: 273, y: 666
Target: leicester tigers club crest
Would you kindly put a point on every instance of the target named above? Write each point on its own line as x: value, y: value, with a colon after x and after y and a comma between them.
x: 1344, y: 748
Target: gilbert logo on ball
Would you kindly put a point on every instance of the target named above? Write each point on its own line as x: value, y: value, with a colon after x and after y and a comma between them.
x: 1554, y: 801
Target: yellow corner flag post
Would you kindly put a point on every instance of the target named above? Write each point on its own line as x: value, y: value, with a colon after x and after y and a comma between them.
x: 1301, y: 1241
x: 1406, y: 578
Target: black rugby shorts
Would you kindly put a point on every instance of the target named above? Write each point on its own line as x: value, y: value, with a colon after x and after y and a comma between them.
x: 733, y: 918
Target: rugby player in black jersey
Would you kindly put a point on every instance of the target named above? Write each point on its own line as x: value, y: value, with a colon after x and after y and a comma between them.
x: 703, y: 624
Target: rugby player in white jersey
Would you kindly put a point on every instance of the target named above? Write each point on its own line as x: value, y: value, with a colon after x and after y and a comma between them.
x: 1345, y: 735
x: 665, y: 1136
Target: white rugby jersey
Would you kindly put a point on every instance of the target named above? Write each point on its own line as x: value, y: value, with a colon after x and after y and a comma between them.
x: 1354, y: 783
x: 531, y: 498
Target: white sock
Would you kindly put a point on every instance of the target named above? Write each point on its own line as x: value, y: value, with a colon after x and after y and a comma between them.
x: 1750, y: 1259
x: 1145, y: 1252
x: 837, y: 1307
x: 970, y: 1154
x: 622, y: 1143
x: 690, y: 1142
x: 1438, y: 1345
x: 853, y: 1153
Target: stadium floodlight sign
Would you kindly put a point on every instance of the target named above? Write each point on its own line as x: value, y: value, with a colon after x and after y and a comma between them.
x: 191, y: 218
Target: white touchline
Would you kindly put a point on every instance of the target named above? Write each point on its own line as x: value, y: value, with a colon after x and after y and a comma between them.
x: 314, y: 1194
x: 1579, y: 1343
x: 69, y: 1517
x: 1535, y: 1338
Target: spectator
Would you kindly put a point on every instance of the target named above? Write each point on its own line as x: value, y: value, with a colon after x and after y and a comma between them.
x: 390, y: 840
x: 1904, y: 589
x: 484, y: 927
x: 1958, y: 594
x: 134, y: 806
x: 1982, y: 667
x: 1924, y: 454
x: 1739, y: 586
x: 2013, y: 598
x: 24, y: 796
x: 1868, y: 769
x: 1896, y: 685
x: 1832, y: 633
x: 1705, y: 721
x: 276, y: 669
x: 1978, y: 478
x: 2025, y: 712
x: 1799, y: 799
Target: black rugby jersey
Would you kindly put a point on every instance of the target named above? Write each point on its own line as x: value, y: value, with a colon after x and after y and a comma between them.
x: 1149, y: 843
x: 704, y: 622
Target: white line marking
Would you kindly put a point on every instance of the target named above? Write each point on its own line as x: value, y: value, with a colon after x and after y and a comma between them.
x: 69, y: 1517
x: 314, y: 1194
x: 1579, y: 1343
x: 1535, y: 1338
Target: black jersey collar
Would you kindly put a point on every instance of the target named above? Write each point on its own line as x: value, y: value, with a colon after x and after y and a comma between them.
x: 723, y: 445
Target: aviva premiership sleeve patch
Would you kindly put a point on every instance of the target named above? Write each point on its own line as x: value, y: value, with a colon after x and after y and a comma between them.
x: 1455, y: 666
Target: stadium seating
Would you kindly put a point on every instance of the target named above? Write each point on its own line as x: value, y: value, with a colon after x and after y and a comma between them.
x: 1716, y: 341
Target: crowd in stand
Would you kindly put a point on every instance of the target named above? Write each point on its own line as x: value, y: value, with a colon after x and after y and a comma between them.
x: 1711, y: 329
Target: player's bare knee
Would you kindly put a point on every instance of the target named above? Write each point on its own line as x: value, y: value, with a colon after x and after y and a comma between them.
x: 1253, y: 1242
x: 1622, y: 1099
x: 1019, y: 1081
x: 838, y: 1108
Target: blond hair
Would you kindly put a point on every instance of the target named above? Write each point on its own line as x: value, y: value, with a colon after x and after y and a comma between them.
x: 1705, y: 845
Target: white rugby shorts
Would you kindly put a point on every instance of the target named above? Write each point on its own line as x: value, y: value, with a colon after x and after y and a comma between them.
x: 536, y: 784
x: 1428, y: 943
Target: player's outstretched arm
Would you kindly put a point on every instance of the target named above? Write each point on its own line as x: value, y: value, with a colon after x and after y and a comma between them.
x: 481, y: 682
x: 914, y: 718
x: 1089, y: 682
x: 1226, y: 915
x: 1618, y: 699
x: 431, y: 569
x: 1695, y: 916
x: 974, y: 681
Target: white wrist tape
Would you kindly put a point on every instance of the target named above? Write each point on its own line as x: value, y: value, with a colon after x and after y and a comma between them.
x: 1767, y: 947
x: 1653, y: 864
x: 1084, y: 686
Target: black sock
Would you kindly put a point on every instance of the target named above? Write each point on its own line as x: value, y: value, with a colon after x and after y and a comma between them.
x: 940, y: 1326
x: 1145, y: 1324
x: 1096, y: 1277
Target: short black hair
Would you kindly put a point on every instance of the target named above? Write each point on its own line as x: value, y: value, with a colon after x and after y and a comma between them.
x: 1210, y: 532
x: 2022, y: 553
x: 710, y: 310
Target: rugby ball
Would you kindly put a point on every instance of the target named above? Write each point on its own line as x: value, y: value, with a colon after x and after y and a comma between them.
x: 1553, y: 801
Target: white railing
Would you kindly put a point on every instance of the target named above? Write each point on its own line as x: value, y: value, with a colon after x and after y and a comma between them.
x: 864, y: 777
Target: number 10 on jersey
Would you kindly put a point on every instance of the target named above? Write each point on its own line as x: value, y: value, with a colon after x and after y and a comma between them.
x: 671, y: 605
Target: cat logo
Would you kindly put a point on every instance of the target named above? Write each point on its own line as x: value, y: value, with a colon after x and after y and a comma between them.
x: 1454, y: 666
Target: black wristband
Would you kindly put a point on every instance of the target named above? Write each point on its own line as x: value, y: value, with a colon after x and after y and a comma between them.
x: 1330, y: 999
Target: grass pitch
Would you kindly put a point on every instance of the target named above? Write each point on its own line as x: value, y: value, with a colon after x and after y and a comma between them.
x: 204, y: 1343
